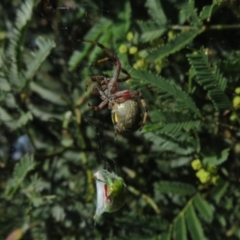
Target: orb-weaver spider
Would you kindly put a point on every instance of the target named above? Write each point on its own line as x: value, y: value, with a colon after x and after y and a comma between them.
x: 128, y: 108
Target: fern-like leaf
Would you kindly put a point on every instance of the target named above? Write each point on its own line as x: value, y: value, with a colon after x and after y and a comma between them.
x: 93, y: 34
x: 194, y: 225
x: 179, y: 228
x: 25, y: 165
x: 151, y: 30
x: 165, y: 236
x: 207, y: 11
x: 156, y: 12
x: 6, y: 118
x: 166, y: 143
x: 16, y: 41
x: 47, y: 94
x: 210, y: 79
x: 177, y: 188
x: 219, y: 191
x: 4, y: 84
x: 164, y: 85
x: 44, y: 48
x: 122, y: 25
x: 186, y: 10
x: 23, y: 120
x: 171, y: 123
x: 179, y: 42
x: 205, y: 209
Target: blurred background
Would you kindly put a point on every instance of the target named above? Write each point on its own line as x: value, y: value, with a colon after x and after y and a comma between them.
x: 181, y: 170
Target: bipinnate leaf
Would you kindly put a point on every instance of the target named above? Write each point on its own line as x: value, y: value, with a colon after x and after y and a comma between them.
x: 179, y: 228
x: 193, y: 224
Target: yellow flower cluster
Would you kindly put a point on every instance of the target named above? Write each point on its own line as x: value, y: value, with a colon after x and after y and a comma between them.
x: 130, y: 36
x: 133, y: 50
x: 236, y: 104
x: 123, y: 48
x: 139, y: 64
x: 204, y: 174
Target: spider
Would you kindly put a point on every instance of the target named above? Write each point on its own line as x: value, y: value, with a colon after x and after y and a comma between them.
x: 128, y: 108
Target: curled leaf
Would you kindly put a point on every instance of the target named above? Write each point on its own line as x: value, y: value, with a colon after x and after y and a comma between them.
x: 111, y: 192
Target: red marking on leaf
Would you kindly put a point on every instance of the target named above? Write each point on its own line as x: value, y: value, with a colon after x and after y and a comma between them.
x: 105, y: 191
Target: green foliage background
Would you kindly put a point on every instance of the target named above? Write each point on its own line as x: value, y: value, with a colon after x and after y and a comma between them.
x: 182, y: 169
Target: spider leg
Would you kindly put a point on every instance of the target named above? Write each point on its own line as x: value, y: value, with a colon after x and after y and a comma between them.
x: 126, y: 77
x: 114, y: 60
x: 109, y: 53
x: 106, y: 59
x: 124, y: 95
x: 97, y: 79
x: 100, y: 106
x: 123, y: 79
x: 145, y: 113
x: 103, y: 103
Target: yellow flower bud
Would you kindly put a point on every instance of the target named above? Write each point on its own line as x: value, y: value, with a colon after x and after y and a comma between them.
x: 130, y: 36
x: 215, y: 180
x: 171, y: 35
x: 233, y: 117
x: 212, y: 169
x: 236, y: 102
x: 122, y: 48
x: 237, y: 90
x: 139, y: 64
x: 203, y: 176
x: 196, y: 164
x: 133, y: 50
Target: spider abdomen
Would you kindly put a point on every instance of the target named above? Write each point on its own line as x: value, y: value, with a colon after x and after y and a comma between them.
x: 129, y: 115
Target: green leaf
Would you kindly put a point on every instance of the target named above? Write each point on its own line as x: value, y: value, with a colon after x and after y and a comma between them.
x: 165, y: 236
x: 21, y: 169
x: 205, y: 209
x: 186, y: 10
x: 151, y: 30
x: 44, y: 48
x: 48, y: 95
x: 6, y: 118
x: 177, y: 188
x: 24, y: 14
x: 210, y: 79
x: 217, y: 159
x: 165, y: 143
x: 179, y: 42
x: 164, y: 85
x: 218, y: 191
x: 155, y: 27
x: 155, y: 10
x: 41, y: 114
x: 4, y: 84
x: 207, y: 11
x: 122, y: 24
x: 58, y: 213
x: 179, y: 228
x: 15, y: 48
x: 93, y: 34
x: 171, y: 123
x: 193, y: 224
x: 23, y: 120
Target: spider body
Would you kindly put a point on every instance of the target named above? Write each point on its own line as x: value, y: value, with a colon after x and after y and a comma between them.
x: 129, y: 115
x: 128, y: 108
